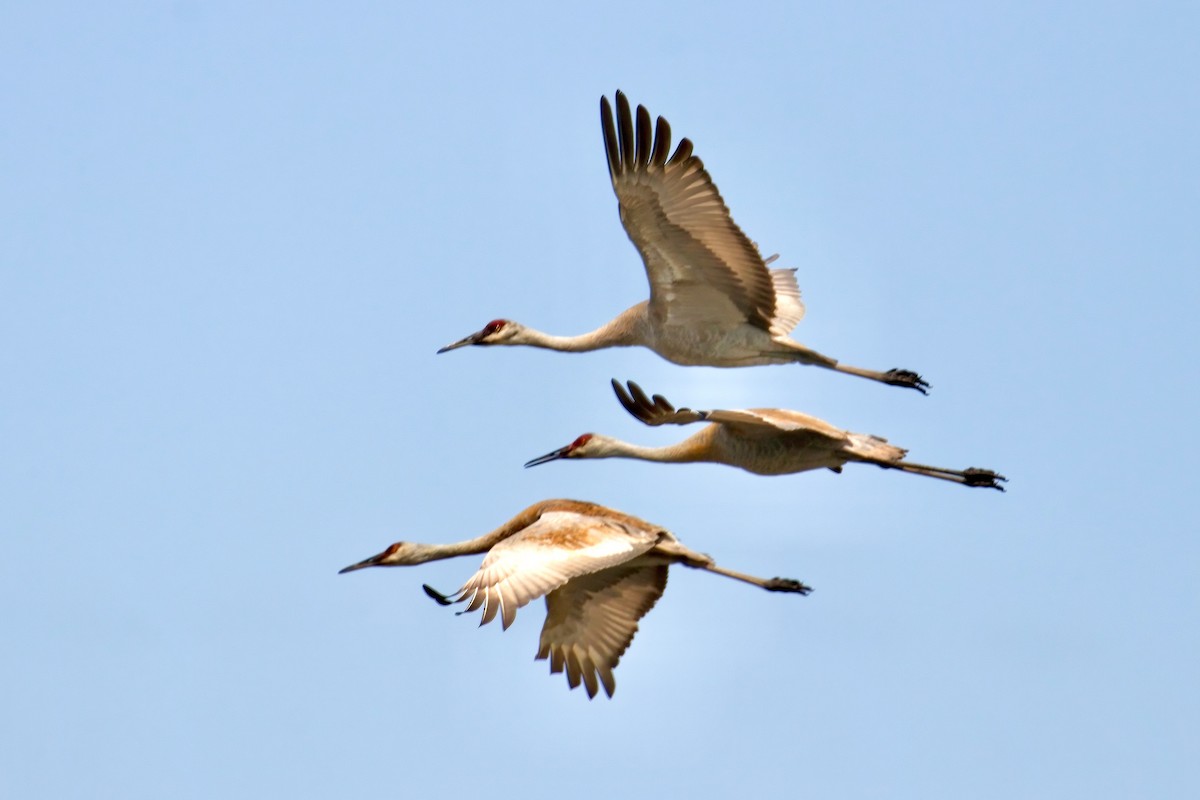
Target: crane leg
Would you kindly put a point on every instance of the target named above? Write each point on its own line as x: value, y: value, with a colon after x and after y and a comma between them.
x: 690, y: 558
x: 770, y: 584
x: 972, y: 476
x: 893, y: 377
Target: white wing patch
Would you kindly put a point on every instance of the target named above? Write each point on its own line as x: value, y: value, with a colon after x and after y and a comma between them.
x: 559, y: 546
x: 789, y: 309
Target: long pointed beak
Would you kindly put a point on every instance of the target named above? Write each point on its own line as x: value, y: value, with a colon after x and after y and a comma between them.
x: 366, y: 562
x: 472, y: 339
x: 554, y: 455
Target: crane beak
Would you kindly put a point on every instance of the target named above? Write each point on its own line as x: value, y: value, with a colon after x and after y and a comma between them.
x: 551, y: 456
x: 366, y: 562
x: 472, y: 339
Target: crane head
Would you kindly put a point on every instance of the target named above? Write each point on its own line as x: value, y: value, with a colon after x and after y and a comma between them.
x: 589, y: 445
x: 498, y: 331
x: 399, y: 554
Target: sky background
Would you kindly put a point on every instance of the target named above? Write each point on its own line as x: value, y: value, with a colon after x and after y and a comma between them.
x: 235, y: 234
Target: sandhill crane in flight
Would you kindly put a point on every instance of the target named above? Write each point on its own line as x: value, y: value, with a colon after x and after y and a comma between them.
x: 600, y: 570
x: 765, y: 441
x: 713, y: 300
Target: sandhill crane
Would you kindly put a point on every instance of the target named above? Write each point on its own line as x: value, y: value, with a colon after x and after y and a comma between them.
x: 600, y: 570
x: 713, y: 300
x: 765, y: 441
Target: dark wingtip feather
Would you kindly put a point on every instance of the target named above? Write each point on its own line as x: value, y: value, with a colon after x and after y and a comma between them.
x: 662, y: 143
x: 610, y: 139
x: 645, y: 136
x: 683, y: 152
x: 639, y: 395
x: 625, y: 129
x: 626, y: 401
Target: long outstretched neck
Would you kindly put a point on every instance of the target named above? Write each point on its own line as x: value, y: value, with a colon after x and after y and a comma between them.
x: 481, y: 544
x: 688, y: 451
x: 623, y: 331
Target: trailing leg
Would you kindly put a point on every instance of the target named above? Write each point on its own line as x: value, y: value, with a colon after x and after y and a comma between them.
x: 680, y: 554
x: 972, y: 476
x: 893, y: 377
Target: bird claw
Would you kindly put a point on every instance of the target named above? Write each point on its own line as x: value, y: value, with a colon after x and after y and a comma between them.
x: 906, y: 378
x: 983, y: 477
x: 786, y: 585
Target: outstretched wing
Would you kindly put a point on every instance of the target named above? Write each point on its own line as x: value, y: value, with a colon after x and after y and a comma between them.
x: 657, y: 410
x: 557, y: 547
x: 591, y: 621
x: 701, y: 266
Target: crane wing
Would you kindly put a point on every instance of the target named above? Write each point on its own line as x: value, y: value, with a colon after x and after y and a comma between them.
x: 557, y: 547
x: 657, y: 410
x: 702, y: 268
x: 591, y: 621
x: 776, y: 421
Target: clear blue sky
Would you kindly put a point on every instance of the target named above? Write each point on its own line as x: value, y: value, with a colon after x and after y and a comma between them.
x: 234, y: 235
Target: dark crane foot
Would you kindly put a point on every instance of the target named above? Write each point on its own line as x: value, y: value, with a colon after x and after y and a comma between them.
x: 438, y: 597
x: 983, y: 477
x: 907, y: 379
x: 786, y: 585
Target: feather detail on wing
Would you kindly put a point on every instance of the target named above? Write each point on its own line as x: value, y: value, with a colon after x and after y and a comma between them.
x: 875, y: 448
x: 789, y: 309
x: 657, y: 410
x: 559, y: 546
x: 702, y: 268
x: 591, y: 621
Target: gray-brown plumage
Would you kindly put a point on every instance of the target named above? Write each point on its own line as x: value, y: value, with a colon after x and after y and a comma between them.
x: 713, y: 299
x: 600, y: 571
x: 765, y: 441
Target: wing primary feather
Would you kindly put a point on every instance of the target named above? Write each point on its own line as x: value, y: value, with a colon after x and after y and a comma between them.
x: 508, y: 610
x: 606, y: 677
x: 662, y: 143
x: 491, y: 605
x: 644, y: 136
x: 631, y: 405
x: 611, y: 148
x: 477, y: 599
x: 682, y: 153
x: 622, y: 395
x: 625, y: 131
x: 589, y: 677
x: 639, y: 395
x: 573, y: 671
